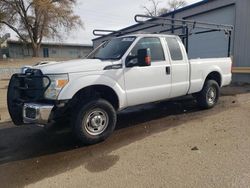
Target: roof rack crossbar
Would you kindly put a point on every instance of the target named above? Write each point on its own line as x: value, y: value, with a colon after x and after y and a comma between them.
x: 192, y: 23
x: 207, y: 31
x: 98, y: 32
x: 140, y: 29
x: 171, y: 29
x: 193, y: 26
x: 153, y: 25
x: 182, y: 25
x: 187, y: 26
x: 120, y: 33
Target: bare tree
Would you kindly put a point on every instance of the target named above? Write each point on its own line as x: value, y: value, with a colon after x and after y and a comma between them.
x: 176, y: 4
x: 155, y: 9
x: 34, y: 20
x: 2, y: 15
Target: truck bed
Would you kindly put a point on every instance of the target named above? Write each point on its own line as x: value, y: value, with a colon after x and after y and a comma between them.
x: 200, y: 68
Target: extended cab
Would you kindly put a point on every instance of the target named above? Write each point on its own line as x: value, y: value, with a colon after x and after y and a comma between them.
x: 120, y: 73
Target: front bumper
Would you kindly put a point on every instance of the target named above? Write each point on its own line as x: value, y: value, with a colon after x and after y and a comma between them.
x: 37, y: 113
x: 25, y: 89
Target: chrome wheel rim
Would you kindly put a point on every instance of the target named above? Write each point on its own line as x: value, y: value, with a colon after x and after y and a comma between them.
x: 96, y: 122
x: 211, y: 95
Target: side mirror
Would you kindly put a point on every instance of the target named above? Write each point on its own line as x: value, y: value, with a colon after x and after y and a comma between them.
x: 129, y: 62
x: 144, y: 57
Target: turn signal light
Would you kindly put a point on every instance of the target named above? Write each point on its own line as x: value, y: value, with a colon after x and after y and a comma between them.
x: 61, y: 83
x: 148, y: 60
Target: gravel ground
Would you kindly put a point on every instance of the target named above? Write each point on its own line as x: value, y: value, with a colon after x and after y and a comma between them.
x: 168, y: 144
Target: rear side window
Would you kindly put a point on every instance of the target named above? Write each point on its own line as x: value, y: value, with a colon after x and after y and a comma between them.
x: 155, y: 46
x: 174, y: 48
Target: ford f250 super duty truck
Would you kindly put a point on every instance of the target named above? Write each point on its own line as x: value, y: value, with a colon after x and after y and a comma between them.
x: 123, y: 72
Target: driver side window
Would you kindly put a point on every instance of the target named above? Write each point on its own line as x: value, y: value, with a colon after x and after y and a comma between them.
x: 154, y: 44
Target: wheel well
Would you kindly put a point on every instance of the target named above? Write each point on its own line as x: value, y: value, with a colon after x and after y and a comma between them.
x: 214, y: 76
x: 98, y: 91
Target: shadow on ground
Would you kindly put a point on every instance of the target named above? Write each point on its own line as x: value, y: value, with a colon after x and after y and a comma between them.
x: 28, y: 141
x: 30, y: 154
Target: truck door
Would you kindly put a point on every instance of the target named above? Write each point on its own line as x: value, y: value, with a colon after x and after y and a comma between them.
x: 179, y: 66
x: 152, y: 83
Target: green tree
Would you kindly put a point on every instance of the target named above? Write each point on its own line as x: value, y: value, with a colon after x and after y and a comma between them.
x: 34, y: 20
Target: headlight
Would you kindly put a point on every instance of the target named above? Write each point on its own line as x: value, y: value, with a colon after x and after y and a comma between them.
x: 57, y: 84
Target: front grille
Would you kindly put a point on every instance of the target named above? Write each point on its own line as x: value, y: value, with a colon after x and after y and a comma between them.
x: 30, y: 85
x: 25, y: 88
x: 30, y: 113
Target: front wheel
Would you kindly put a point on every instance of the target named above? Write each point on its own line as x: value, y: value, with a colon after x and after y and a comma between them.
x: 94, y: 121
x: 209, y: 95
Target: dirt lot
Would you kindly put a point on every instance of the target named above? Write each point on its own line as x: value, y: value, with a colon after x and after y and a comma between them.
x: 169, y: 144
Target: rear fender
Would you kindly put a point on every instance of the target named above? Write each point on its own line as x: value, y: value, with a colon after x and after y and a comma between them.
x: 212, y: 69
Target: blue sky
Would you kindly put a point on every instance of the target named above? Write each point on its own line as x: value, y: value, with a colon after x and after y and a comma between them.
x: 108, y: 14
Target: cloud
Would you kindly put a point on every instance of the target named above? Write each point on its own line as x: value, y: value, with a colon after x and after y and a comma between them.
x: 108, y: 14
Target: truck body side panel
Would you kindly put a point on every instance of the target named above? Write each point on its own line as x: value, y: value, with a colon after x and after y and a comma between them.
x: 201, y: 68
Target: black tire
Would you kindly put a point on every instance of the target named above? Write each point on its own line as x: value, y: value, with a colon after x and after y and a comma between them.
x: 90, y: 114
x: 205, y: 99
x: 58, y: 124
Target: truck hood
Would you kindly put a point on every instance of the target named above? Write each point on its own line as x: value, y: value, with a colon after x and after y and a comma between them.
x: 79, y: 65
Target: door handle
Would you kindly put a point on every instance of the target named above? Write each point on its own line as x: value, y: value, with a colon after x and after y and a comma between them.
x: 168, y: 70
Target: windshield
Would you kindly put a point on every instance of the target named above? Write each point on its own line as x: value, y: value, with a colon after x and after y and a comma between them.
x: 113, y: 49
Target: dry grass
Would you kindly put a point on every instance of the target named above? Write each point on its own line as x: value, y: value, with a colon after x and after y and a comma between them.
x: 17, y: 63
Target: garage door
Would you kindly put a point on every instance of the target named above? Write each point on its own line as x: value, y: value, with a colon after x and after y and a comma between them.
x: 213, y: 44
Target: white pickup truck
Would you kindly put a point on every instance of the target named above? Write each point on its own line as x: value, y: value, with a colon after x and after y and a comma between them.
x: 123, y: 72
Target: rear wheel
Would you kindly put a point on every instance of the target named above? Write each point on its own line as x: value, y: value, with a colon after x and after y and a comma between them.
x: 209, y: 95
x: 94, y: 121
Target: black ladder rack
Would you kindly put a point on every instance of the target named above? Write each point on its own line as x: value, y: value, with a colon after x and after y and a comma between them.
x: 184, y: 27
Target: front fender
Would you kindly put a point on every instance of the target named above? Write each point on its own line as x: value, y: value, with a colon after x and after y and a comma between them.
x: 77, y: 84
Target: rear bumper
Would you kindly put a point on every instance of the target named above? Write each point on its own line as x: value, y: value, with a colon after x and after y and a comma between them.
x: 37, y: 113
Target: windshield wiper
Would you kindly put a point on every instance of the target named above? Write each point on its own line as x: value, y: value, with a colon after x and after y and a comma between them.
x: 105, y: 59
x: 97, y: 58
x: 111, y: 58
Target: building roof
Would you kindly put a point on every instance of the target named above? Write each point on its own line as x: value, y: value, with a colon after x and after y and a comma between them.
x: 147, y: 35
x: 53, y: 44
x: 164, y: 15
